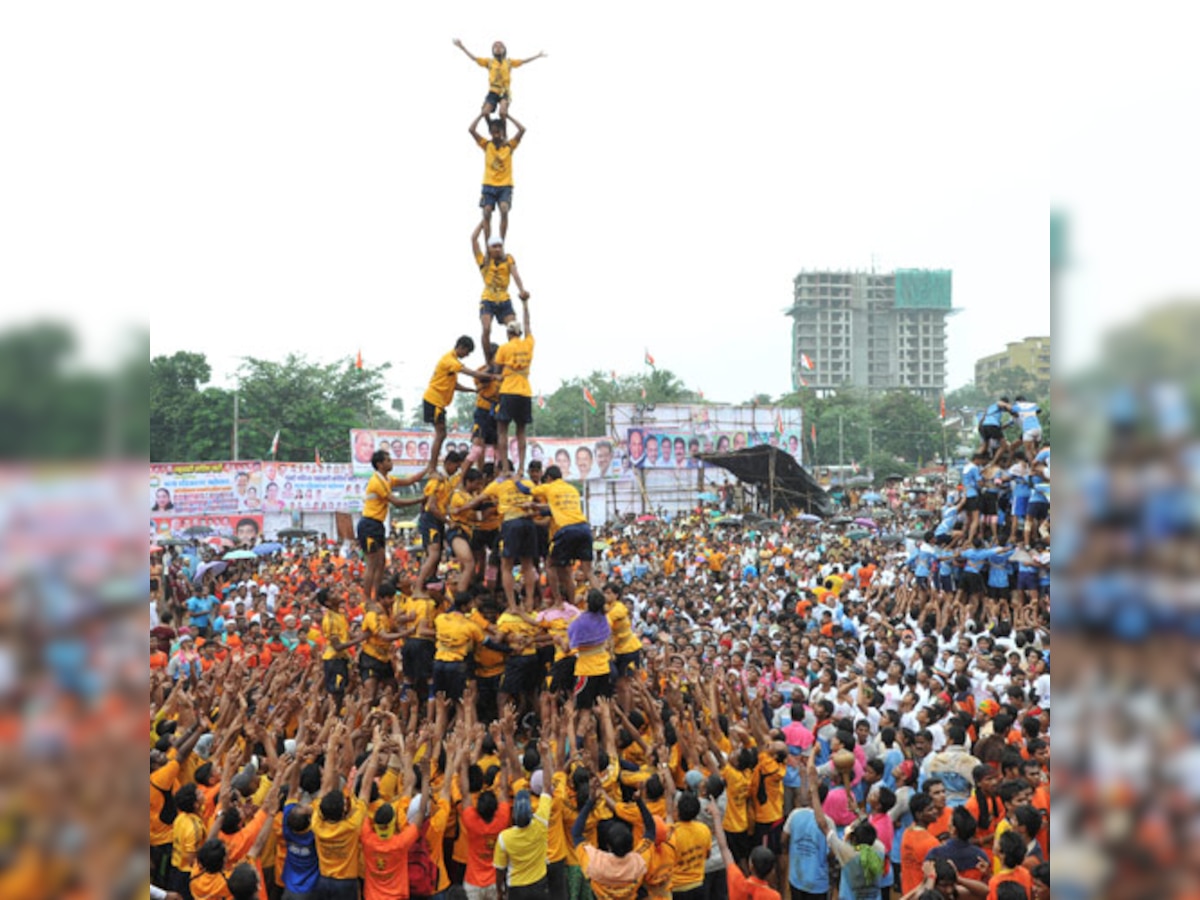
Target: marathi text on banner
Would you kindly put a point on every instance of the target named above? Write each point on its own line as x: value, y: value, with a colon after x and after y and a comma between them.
x: 205, y: 488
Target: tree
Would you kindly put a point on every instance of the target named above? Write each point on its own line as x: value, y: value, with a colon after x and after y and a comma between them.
x: 968, y: 396
x: 883, y: 466
x: 906, y: 426
x: 567, y: 413
x: 187, y: 421
x: 1011, y: 381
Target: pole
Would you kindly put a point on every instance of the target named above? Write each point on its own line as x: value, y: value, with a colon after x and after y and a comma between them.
x: 771, y: 481
x: 235, y: 426
x: 870, y: 443
x: 841, y: 448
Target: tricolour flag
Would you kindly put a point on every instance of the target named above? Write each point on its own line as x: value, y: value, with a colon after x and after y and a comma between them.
x: 358, y: 360
x: 275, y: 444
x: 803, y: 382
x: 649, y: 359
x: 541, y: 401
x: 587, y: 396
x: 806, y: 362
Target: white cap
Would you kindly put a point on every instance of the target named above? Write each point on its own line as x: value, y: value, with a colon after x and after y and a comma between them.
x: 414, y: 807
x: 495, y: 241
x: 513, y: 327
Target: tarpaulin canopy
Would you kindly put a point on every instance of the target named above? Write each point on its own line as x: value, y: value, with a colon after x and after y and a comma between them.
x: 783, y: 481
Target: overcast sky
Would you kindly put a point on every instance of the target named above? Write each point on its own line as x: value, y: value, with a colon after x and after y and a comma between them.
x: 259, y: 178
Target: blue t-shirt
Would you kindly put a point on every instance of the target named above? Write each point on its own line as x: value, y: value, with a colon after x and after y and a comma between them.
x: 199, y: 608
x: 301, y: 868
x: 925, y: 557
x: 808, y: 853
x: 991, y: 415
x: 970, y: 479
x: 998, y: 569
x: 1027, y: 411
x: 976, y: 558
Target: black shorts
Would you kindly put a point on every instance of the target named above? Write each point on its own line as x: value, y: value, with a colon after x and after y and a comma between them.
x: 457, y: 532
x: 370, y: 667
x: 433, y: 415
x: 946, y: 583
x: 989, y: 504
x: 769, y: 835
x: 570, y: 543
x: 589, y: 687
x: 515, y: 408
x: 972, y: 583
x: 991, y: 432
x: 740, y: 844
x: 449, y: 678
x: 543, y: 541
x: 972, y: 504
x: 521, y: 675
x: 493, y: 196
x: 372, y: 535
x: 485, y: 426
x: 562, y: 676
x: 501, y: 312
x: 337, y: 675
x: 518, y: 539
x: 485, y: 540
x: 997, y: 593
x: 1039, y: 511
x: 416, y: 658
x: 431, y: 530
x: 627, y: 663
x: 493, y: 99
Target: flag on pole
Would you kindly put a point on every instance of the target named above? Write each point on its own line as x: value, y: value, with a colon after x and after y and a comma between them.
x: 814, y: 433
x: 541, y: 401
x: 806, y: 362
x: 854, y: 465
x: 701, y: 394
x: 358, y: 359
x: 275, y: 444
x: 803, y: 382
x: 778, y: 422
x: 587, y: 395
x: 318, y: 455
x: 643, y: 393
x: 614, y: 374
x: 649, y: 359
x: 943, y: 406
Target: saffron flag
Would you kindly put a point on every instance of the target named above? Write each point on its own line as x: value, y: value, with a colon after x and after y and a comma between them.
x: 318, y: 455
x: 806, y: 362
x: 614, y: 374
x: 701, y: 393
x: 943, y: 406
x: 275, y: 444
x: 643, y: 393
x: 649, y: 359
x: 814, y: 432
x: 778, y: 422
x: 587, y: 395
x: 358, y: 360
x: 541, y: 401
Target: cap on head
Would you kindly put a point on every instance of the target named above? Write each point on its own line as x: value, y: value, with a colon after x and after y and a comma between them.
x: 496, y: 241
x: 513, y: 327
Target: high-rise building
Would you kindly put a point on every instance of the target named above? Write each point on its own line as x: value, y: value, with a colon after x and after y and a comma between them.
x: 1031, y: 354
x: 879, y: 331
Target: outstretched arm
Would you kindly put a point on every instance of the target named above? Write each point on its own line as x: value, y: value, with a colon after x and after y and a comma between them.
x: 476, y: 253
x: 520, y: 129
x: 478, y: 138
x: 525, y: 313
x: 470, y: 55
x: 524, y: 294
x: 520, y: 62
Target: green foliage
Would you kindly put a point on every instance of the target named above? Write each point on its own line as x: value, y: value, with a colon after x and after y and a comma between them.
x: 884, y: 465
x: 1012, y: 381
x: 567, y: 413
x: 888, y: 426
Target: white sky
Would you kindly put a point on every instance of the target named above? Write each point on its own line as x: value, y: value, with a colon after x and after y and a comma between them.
x: 259, y: 178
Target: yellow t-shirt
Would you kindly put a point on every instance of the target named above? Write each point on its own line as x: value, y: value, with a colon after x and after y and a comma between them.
x: 489, y: 663
x: 499, y: 73
x: 592, y: 661
x: 770, y: 772
x: 445, y: 375
x: 188, y: 834
x: 513, y: 626
x: 496, y: 274
x: 523, y: 851
x: 373, y: 624
x: 461, y: 518
x: 692, y: 842
x: 455, y: 636
x: 487, y: 393
x: 336, y: 629
x: 381, y: 485
x: 624, y: 640
x: 440, y: 489
x: 566, y: 508
x: 425, y: 611
x: 497, y: 162
x: 508, y: 498
x: 516, y: 356
x: 164, y: 778
x: 338, y: 842
x: 737, y: 793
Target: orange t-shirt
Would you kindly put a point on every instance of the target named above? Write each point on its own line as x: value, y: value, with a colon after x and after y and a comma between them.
x: 913, y: 849
x: 1020, y: 875
x: 481, y: 843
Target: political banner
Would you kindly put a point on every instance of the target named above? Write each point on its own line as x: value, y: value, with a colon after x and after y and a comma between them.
x: 312, y: 487
x: 240, y: 528
x: 671, y: 436
x: 205, y: 488
x: 579, y: 459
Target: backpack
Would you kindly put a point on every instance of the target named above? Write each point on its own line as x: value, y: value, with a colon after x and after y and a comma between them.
x: 422, y: 873
x: 168, y: 813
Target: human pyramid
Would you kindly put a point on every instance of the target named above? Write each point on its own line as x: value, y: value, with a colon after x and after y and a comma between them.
x: 408, y: 736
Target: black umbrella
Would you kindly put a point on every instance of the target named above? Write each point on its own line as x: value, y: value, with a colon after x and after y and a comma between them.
x: 171, y: 542
x: 840, y: 520
x: 198, y: 531
x: 297, y: 532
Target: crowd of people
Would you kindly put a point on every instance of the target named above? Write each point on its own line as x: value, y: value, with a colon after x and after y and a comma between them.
x: 530, y: 708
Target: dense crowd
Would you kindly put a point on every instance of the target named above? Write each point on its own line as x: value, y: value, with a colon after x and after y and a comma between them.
x: 787, y: 707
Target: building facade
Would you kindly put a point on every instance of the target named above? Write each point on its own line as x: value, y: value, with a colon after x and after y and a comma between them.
x: 879, y: 331
x: 1031, y: 354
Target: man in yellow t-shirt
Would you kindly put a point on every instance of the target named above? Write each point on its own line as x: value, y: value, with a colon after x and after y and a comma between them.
x: 497, y: 268
x: 499, y: 75
x: 379, y: 638
x: 457, y: 637
x: 571, y: 537
x: 440, y: 393
x: 518, y: 536
x: 497, y: 171
x: 336, y: 630
x: 431, y: 523
x: 516, y: 395
x: 372, y: 527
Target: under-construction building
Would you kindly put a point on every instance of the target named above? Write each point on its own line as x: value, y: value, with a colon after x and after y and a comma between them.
x: 879, y: 331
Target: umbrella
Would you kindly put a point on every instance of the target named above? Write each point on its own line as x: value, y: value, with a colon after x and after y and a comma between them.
x: 809, y: 517
x: 709, y: 497
x: 873, y: 497
x: 840, y: 520
x: 296, y: 532
x: 599, y: 545
x: 729, y: 520
x: 155, y: 549
x: 171, y: 542
x: 866, y: 523
x: 240, y: 554
x: 407, y: 523
x: 856, y: 535
x: 216, y: 567
x: 891, y: 539
x: 924, y: 513
x: 646, y: 518
x: 915, y: 535
x: 217, y: 541
x: 198, y: 531
x: 268, y: 548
